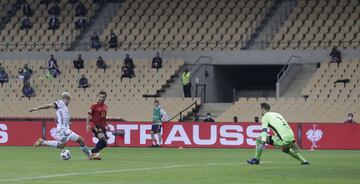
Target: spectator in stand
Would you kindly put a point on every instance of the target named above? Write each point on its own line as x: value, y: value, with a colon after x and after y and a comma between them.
x: 83, y: 82
x: 335, y: 55
x: 26, y: 24
x: 27, y: 9
x: 350, y: 119
x: 127, y: 72
x: 100, y: 64
x: 78, y: 63
x: 53, y: 67
x: 73, y: 2
x: 128, y: 61
x: 186, y: 83
x: 54, y: 23
x: 113, y: 42
x: 4, y: 78
x: 95, y: 41
x: 80, y: 10
x: 156, y: 61
x: 54, y: 10
x: 25, y: 73
x: 80, y: 23
x: 28, y: 91
x: 208, y: 118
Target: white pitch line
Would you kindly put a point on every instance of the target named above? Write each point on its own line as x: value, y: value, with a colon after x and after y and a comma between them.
x: 120, y: 171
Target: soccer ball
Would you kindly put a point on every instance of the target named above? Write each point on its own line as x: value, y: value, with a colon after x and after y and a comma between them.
x: 65, y: 154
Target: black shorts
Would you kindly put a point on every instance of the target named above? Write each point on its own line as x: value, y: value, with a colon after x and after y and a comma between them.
x: 271, y: 141
x: 156, y: 128
x: 96, y: 130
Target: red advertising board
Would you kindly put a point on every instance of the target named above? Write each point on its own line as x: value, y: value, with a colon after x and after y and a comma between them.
x: 189, y: 134
x: 137, y: 134
x: 330, y: 136
x: 19, y: 133
x: 216, y: 135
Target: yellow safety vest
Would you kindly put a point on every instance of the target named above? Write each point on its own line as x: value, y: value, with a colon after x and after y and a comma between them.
x: 185, y: 78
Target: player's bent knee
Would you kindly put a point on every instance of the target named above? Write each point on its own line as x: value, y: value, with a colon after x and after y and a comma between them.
x: 105, y: 142
x: 61, y: 145
x: 286, y: 150
x: 81, y: 141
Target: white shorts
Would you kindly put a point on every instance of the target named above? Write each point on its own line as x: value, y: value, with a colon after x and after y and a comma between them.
x: 64, y: 135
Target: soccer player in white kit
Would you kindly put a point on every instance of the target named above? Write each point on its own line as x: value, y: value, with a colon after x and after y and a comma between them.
x: 63, y: 133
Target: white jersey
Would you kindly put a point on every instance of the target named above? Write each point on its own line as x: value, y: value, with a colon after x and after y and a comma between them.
x: 62, y: 115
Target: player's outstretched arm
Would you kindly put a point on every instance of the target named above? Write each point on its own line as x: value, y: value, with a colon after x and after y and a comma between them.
x: 47, y: 106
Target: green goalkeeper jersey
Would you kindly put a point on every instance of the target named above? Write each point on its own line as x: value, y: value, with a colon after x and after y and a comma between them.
x: 278, y: 125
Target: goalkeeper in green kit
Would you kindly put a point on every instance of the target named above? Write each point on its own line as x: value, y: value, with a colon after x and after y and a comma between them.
x: 284, y: 137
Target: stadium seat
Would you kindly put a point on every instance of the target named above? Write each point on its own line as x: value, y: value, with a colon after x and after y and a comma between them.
x: 324, y: 24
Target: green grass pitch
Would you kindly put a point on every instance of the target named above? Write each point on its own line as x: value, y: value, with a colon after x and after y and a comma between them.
x: 172, y: 166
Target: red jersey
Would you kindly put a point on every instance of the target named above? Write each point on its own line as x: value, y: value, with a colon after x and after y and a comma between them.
x: 98, y: 114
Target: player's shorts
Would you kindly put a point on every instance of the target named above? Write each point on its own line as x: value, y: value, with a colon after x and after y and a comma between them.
x: 156, y: 128
x: 97, y: 130
x: 277, y: 142
x: 64, y: 135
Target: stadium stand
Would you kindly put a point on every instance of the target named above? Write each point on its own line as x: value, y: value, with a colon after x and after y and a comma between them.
x: 39, y: 36
x: 320, y: 24
x: 5, y: 7
x: 125, y: 99
x: 186, y: 24
x: 325, y: 100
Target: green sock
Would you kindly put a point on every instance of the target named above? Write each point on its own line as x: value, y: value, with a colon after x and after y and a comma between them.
x: 257, y: 150
x: 296, y: 155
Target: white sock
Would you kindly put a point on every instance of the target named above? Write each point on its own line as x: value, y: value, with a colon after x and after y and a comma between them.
x: 85, y: 150
x: 50, y: 143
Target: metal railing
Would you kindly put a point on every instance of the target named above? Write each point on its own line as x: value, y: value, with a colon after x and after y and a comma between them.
x: 195, y: 70
x: 232, y: 45
x: 286, y: 69
x: 181, y: 112
x: 283, y: 69
x: 197, y: 65
x: 34, y: 45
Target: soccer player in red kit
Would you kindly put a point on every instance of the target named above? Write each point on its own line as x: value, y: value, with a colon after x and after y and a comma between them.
x: 97, y: 115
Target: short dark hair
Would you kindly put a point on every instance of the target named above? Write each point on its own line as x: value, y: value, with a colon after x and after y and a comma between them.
x: 102, y: 92
x: 265, y: 106
x: 351, y: 114
x: 156, y: 101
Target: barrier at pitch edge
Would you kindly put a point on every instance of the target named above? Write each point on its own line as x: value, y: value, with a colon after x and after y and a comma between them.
x: 209, y: 135
x: 137, y: 134
x: 330, y: 136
